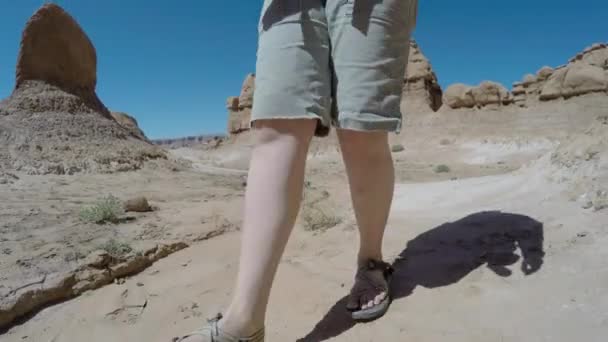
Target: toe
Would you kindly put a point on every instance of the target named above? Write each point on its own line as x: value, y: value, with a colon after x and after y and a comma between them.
x: 379, y: 298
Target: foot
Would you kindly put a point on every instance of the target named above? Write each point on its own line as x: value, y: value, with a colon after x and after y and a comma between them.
x: 369, y: 297
x: 213, y: 332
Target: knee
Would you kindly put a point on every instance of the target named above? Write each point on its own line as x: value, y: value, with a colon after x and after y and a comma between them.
x: 365, y: 146
x: 283, y: 132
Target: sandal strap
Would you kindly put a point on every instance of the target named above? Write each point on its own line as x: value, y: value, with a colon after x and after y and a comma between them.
x: 213, y: 331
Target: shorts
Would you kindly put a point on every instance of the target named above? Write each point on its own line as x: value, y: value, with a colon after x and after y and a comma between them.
x: 341, y: 62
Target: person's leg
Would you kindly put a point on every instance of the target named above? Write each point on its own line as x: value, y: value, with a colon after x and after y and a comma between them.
x: 272, y: 201
x: 371, y: 175
x: 370, y: 43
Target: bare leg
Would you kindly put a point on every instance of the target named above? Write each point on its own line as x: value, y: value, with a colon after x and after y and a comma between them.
x: 272, y: 201
x: 371, y: 176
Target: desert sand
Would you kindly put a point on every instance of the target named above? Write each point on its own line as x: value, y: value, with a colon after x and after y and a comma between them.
x: 497, y: 229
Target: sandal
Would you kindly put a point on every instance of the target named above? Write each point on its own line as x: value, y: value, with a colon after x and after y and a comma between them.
x: 212, y: 333
x: 368, y: 285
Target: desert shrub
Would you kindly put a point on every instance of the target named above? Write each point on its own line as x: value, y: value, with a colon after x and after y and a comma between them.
x: 397, y: 148
x: 116, y: 249
x: 442, y: 168
x: 105, y: 210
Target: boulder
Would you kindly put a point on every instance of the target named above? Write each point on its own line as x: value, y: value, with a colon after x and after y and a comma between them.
x: 459, y: 96
x: 488, y: 93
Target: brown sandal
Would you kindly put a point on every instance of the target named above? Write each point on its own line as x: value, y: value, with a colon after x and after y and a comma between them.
x: 368, y: 284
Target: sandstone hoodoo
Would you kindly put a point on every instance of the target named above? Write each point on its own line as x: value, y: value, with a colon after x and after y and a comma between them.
x: 422, y: 92
x: 54, y: 122
x: 239, y: 108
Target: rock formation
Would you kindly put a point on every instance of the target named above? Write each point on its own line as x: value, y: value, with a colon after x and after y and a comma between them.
x: 129, y: 122
x: 54, y: 49
x: 586, y: 73
x: 422, y: 93
x: 485, y: 94
x: 239, y: 108
x: 53, y: 122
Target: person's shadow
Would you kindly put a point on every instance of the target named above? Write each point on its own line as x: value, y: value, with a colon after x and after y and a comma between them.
x: 446, y: 254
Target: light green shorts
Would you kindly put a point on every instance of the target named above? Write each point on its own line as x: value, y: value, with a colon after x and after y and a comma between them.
x: 339, y: 61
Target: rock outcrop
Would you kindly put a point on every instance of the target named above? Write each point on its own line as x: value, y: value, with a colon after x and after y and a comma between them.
x: 239, y: 108
x: 586, y: 73
x: 53, y: 122
x: 485, y: 94
x: 54, y: 49
x: 421, y: 92
x: 129, y: 122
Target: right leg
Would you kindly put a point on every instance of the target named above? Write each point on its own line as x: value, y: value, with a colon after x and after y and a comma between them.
x: 272, y: 201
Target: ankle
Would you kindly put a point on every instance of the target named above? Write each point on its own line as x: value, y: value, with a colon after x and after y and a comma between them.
x: 238, y: 324
x: 363, y: 258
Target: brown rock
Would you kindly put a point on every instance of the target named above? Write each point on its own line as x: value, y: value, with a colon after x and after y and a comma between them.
x: 137, y: 204
x: 459, y: 96
x: 422, y: 92
x: 490, y: 93
x: 246, y: 97
x: 553, y: 88
x: 129, y: 122
x: 232, y: 103
x: 98, y: 259
x: 238, y: 120
x: 584, y: 78
x: 54, y: 49
x: 544, y: 73
x: 577, y: 79
x: 54, y: 105
x: 529, y: 79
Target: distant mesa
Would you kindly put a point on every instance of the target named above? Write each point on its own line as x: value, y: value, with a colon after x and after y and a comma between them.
x: 212, y: 140
x: 54, y: 122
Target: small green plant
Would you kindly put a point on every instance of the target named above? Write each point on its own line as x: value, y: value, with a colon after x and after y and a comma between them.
x: 116, y: 249
x: 442, y: 168
x: 397, y: 148
x: 105, y: 210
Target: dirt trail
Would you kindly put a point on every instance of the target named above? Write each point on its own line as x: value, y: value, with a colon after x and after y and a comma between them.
x: 461, y: 278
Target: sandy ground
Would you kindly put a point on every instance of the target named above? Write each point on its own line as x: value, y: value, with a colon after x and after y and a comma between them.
x: 492, y: 250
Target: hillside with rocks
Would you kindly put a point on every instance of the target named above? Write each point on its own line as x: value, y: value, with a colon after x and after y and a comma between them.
x: 54, y: 122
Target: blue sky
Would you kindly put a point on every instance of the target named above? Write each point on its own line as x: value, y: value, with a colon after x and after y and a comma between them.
x: 172, y: 64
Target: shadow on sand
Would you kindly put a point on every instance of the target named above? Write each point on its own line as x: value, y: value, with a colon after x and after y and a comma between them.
x: 446, y: 254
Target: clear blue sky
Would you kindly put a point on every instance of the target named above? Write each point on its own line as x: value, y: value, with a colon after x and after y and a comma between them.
x: 172, y: 64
